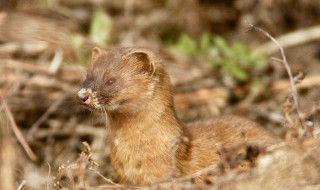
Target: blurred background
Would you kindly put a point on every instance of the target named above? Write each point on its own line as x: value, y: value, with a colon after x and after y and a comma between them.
x: 217, y: 64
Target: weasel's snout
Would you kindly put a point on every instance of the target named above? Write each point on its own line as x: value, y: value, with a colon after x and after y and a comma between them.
x: 83, y: 97
x: 84, y: 100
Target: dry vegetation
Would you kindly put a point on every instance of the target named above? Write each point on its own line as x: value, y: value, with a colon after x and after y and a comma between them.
x: 44, y: 53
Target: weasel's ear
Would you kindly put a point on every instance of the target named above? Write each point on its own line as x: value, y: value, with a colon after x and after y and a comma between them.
x: 147, y: 65
x: 95, y: 54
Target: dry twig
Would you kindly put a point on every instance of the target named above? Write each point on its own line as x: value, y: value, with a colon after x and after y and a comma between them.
x: 17, y: 132
x: 292, y: 39
x: 83, y: 164
x: 48, y: 178
x: 45, y: 116
x: 56, y: 61
x: 22, y: 185
x: 292, y: 81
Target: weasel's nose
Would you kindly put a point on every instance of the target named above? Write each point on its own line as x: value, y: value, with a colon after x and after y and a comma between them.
x: 85, y: 100
x: 83, y: 97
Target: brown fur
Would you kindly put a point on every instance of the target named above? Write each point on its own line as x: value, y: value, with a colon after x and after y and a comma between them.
x: 149, y: 142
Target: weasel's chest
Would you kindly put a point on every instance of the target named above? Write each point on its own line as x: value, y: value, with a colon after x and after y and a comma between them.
x: 139, y: 163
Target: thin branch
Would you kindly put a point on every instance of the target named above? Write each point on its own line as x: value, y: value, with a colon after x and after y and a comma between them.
x: 104, y: 178
x: 56, y: 61
x: 9, y: 63
x: 17, y: 132
x: 45, y: 116
x: 292, y: 83
x: 22, y: 185
x: 308, y: 83
x: 191, y: 176
x: 80, y: 130
x: 292, y: 39
x: 48, y: 177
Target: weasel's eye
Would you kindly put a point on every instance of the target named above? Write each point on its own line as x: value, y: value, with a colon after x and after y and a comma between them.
x: 110, y: 81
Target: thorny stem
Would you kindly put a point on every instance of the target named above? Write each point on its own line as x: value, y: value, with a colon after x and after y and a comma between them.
x: 292, y: 83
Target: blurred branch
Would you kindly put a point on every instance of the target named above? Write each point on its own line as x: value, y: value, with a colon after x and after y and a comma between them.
x: 9, y: 63
x: 17, y: 132
x: 292, y: 81
x: 80, y: 130
x: 291, y: 39
x: 56, y: 61
x: 308, y: 82
x: 54, y: 106
x: 21, y: 186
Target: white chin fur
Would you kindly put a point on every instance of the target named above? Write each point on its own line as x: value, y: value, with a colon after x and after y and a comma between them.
x: 112, y: 107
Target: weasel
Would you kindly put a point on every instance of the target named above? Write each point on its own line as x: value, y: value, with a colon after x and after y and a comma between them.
x: 148, y: 140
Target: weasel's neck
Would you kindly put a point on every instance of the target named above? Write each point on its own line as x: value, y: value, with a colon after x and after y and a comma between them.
x: 159, y: 120
x: 157, y: 117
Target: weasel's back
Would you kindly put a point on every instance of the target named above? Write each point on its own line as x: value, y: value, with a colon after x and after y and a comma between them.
x: 229, y: 131
x: 226, y: 131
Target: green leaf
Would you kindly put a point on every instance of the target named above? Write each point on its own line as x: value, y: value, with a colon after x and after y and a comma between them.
x: 205, y: 43
x: 256, y: 84
x: 240, y: 49
x: 214, y: 63
x: 235, y: 70
x: 259, y: 61
x: 100, y: 27
x: 223, y: 47
x: 186, y: 45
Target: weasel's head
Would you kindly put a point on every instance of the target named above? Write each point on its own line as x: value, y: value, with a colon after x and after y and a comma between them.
x: 122, y: 80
